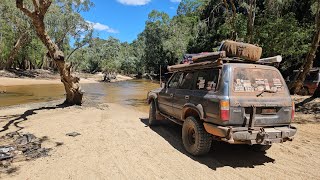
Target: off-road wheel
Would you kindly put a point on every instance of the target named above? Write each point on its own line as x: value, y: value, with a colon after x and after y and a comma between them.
x: 153, y: 114
x: 195, y: 138
x: 260, y: 148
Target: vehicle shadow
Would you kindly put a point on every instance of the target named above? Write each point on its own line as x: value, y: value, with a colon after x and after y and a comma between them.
x: 221, y: 154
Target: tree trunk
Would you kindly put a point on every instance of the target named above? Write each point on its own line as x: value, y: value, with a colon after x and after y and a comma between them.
x: 308, y: 62
x: 234, y: 16
x: 71, y: 83
x: 16, y: 48
x: 250, y: 21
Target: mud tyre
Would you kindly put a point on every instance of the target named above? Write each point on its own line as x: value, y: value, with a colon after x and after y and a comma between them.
x: 153, y: 114
x: 195, y: 138
x: 260, y: 148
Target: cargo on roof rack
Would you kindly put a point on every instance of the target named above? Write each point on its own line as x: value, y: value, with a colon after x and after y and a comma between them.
x: 214, y: 62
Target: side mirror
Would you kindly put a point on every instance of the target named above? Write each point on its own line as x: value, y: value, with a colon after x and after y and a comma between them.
x: 163, y: 85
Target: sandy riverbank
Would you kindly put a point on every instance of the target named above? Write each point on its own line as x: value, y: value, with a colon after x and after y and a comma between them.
x: 4, y: 81
x: 116, y: 143
x: 84, y: 79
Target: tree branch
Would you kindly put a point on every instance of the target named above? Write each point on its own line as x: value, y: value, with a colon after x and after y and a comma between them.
x: 44, y: 6
x: 77, y: 48
x: 36, y: 6
x: 19, y: 5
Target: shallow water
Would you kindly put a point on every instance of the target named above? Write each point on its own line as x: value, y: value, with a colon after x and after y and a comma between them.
x: 16, y: 95
x: 132, y: 93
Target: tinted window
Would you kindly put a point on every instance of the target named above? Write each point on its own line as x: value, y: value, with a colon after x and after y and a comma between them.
x: 187, y: 80
x: 175, y: 81
x: 207, y: 80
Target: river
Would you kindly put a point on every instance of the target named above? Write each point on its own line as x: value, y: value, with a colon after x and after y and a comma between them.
x: 131, y: 93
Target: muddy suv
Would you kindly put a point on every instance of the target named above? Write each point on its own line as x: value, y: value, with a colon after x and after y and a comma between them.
x: 231, y: 101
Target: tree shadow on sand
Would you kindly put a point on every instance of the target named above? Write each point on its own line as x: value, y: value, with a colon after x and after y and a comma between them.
x: 18, y: 118
x: 220, y: 155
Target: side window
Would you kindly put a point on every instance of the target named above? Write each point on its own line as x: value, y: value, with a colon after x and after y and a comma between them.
x: 174, y: 83
x: 187, y: 80
x: 207, y: 80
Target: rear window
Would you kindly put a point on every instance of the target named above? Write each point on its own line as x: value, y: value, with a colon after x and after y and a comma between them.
x: 255, y: 80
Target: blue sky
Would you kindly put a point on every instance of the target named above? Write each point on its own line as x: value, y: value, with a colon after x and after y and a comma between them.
x: 125, y: 19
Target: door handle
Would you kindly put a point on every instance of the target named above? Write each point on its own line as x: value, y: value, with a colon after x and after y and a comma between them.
x: 171, y: 95
x: 186, y: 97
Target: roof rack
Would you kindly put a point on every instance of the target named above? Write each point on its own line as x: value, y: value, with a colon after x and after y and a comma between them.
x: 215, y: 62
x: 264, y: 61
x: 200, y: 65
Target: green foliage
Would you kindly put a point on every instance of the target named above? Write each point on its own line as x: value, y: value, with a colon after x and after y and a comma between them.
x: 63, y: 23
x: 280, y: 27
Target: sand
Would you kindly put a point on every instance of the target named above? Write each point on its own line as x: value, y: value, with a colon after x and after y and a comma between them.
x: 7, y: 81
x: 116, y: 143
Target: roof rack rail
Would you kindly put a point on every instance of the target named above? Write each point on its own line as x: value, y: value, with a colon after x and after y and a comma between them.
x: 219, y: 61
x: 269, y: 60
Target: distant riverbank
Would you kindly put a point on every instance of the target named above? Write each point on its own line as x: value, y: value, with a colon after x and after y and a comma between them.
x: 37, y: 77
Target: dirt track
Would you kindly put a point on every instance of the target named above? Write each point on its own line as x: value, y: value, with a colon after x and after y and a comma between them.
x: 121, y: 146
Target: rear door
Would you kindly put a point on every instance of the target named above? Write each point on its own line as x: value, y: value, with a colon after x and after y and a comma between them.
x: 205, y: 92
x: 165, y: 98
x: 183, y: 93
x: 260, y: 89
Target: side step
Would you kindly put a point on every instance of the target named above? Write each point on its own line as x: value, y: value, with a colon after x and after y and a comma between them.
x: 172, y: 119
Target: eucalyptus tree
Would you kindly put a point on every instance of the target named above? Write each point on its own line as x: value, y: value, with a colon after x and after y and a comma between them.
x: 37, y: 12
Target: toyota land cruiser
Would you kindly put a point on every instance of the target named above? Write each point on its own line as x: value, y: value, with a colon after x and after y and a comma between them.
x: 227, y: 100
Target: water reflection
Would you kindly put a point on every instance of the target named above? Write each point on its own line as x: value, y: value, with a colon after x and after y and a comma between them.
x: 131, y: 93
x: 30, y: 93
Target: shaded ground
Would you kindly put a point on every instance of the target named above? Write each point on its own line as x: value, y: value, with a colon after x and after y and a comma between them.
x: 307, y: 109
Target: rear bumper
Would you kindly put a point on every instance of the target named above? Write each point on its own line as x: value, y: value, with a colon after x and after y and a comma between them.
x: 243, y: 135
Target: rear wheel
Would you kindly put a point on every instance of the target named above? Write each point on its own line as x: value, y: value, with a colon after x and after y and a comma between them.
x: 195, y: 138
x: 260, y: 148
x: 152, y: 114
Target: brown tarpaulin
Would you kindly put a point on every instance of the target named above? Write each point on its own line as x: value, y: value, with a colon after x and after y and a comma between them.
x: 242, y: 50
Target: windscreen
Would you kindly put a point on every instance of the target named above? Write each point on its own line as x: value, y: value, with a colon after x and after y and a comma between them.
x: 252, y: 81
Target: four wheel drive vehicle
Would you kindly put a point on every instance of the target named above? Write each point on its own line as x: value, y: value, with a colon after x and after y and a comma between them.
x: 228, y: 100
x: 311, y: 82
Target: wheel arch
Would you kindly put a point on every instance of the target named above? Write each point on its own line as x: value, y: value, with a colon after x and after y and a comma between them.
x: 152, y: 97
x: 192, y: 110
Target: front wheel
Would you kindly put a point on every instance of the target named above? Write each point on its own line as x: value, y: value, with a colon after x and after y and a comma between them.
x: 195, y: 138
x: 152, y: 114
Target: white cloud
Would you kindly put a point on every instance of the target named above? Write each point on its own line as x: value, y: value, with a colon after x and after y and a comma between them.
x: 134, y: 2
x: 101, y: 27
x: 175, y: 1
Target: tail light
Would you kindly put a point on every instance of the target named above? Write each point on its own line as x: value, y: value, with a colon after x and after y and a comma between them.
x: 224, y: 110
x: 293, y: 110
